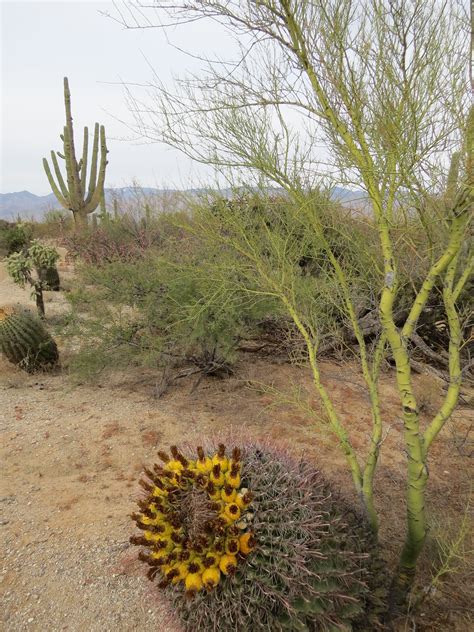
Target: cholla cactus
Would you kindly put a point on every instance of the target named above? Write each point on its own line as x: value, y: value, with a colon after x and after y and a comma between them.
x: 259, y: 542
x: 36, y: 267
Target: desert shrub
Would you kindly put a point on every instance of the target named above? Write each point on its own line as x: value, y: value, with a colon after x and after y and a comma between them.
x: 257, y: 541
x: 4, y: 228
x: 187, y: 297
x: 14, y: 237
x: 283, y: 250
x: 161, y: 310
x: 293, y: 251
x: 55, y: 224
x: 189, y: 294
x: 124, y: 239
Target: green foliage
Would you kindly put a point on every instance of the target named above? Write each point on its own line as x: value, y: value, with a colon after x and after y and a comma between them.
x: 19, y: 268
x: 21, y: 265
x: 14, y: 237
x: 192, y: 285
x: 41, y: 255
x: 280, y: 250
x: 25, y: 341
x: 35, y: 267
x: 162, y: 309
x: 156, y: 313
x: 314, y: 567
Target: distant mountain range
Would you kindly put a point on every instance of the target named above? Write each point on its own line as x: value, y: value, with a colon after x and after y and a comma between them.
x: 30, y: 206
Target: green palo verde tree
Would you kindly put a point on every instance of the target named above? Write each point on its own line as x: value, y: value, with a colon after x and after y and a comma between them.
x: 74, y: 193
x: 383, y: 86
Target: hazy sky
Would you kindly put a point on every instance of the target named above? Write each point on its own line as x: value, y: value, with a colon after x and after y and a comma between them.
x: 41, y: 42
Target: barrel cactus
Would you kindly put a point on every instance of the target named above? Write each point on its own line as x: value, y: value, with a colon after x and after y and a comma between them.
x: 257, y: 541
x: 25, y: 341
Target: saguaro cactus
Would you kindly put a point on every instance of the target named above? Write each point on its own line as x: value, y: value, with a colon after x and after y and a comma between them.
x: 75, y: 195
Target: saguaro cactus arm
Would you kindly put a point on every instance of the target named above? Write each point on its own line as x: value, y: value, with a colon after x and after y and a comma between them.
x: 96, y: 188
x: 59, y: 176
x: 83, y: 162
x: 63, y: 200
x: 93, y: 175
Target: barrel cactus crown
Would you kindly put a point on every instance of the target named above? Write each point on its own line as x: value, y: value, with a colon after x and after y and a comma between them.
x: 194, y: 519
x: 25, y: 341
x: 257, y: 541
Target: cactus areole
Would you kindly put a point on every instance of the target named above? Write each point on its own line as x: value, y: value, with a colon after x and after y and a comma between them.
x: 253, y: 540
x: 74, y: 193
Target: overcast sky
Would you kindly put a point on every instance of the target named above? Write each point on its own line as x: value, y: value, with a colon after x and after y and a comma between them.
x: 41, y: 42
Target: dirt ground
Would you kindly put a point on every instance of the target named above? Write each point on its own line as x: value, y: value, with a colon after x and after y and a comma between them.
x: 71, y: 456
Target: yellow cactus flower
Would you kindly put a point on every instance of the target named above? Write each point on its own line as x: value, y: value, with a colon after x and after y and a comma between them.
x: 146, y: 520
x: 232, y: 477
x: 232, y: 511
x: 232, y: 546
x: 243, y: 500
x: 156, y: 511
x: 195, y: 565
x: 160, y: 541
x: 228, y: 494
x: 225, y: 519
x: 228, y: 564
x: 174, y: 466
x: 211, y: 577
x: 247, y: 543
x: 193, y: 582
x: 158, y: 492
x: 203, y: 463
x: 171, y: 573
x: 182, y: 570
x: 217, y: 505
x: 213, y: 491
x: 176, y: 553
x: 211, y: 559
x: 217, y: 475
x: 158, y: 555
x: 221, y: 459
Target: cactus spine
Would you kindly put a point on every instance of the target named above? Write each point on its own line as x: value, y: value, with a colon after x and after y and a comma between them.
x: 74, y: 193
x: 25, y: 341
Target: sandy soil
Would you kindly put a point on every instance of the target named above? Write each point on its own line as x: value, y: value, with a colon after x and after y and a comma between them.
x: 71, y: 456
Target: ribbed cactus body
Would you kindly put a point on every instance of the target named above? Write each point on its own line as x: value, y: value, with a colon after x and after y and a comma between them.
x: 73, y: 193
x: 313, y: 566
x: 25, y: 341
